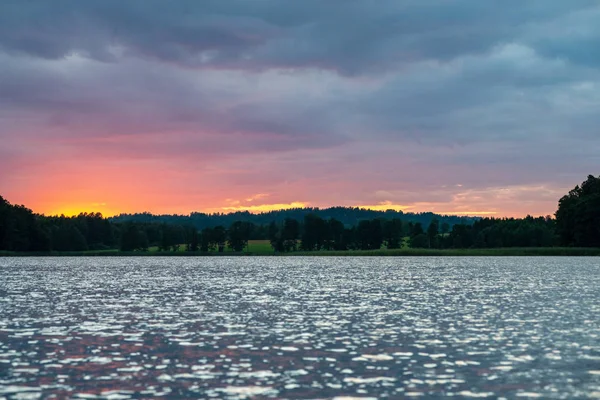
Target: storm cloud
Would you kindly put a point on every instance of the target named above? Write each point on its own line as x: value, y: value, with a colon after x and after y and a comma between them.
x: 321, y: 102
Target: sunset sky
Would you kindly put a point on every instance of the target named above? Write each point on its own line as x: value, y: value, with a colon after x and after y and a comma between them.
x: 459, y: 107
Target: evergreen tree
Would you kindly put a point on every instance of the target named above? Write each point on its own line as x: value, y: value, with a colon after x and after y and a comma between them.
x: 315, y: 232
x: 417, y: 230
x: 336, y: 239
x: 369, y: 234
x: 194, y: 243
x: 420, y: 241
x: 392, y: 233
x: 289, y: 234
x: 205, y: 240
x: 432, y: 233
x: 275, y: 237
x: 239, y: 232
x: 578, y: 215
x: 219, y: 238
x: 129, y: 238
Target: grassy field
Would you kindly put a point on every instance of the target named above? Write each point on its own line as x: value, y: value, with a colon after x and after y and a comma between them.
x: 514, y: 251
x: 263, y: 247
x: 254, y: 247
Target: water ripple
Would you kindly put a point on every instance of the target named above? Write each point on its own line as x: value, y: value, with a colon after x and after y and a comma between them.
x: 275, y: 327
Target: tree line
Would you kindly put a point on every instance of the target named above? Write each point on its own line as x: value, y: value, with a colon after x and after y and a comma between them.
x: 320, y: 234
x: 349, y: 216
x: 576, y: 224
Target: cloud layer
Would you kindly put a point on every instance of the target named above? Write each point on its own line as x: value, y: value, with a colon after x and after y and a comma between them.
x: 463, y: 106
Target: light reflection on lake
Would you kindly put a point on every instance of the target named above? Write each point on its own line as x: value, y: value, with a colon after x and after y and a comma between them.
x: 299, y: 327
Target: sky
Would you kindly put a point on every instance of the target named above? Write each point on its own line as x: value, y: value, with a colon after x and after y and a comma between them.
x: 464, y: 107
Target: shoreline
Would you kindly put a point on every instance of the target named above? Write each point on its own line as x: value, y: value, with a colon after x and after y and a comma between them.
x: 495, y: 252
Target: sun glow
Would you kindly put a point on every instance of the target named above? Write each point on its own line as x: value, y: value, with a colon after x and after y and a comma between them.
x: 264, y: 207
x: 73, y: 210
x: 468, y: 213
x: 386, y: 205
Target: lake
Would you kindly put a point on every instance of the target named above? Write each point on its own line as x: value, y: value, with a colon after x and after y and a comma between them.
x: 299, y: 327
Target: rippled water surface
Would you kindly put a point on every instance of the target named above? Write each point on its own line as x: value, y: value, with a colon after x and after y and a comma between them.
x: 276, y: 327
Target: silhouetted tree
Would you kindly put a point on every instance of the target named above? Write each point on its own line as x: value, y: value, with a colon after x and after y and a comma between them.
x: 315, y: 232
x: 461, y: 236
x: 132, y: 238
x: 369, y: 234
x: 20, y: 229
x: 206, y: 240
x: 578, y: 215
x: 275, y: 237
x: 166, y: 239
x: 239, y: 233
x: 432, y: 233
x: 290, y: 234
x: 348, y: 216
x: 417, y: 230
x: 445, y: 228
x: 392, y: 233
x: 194, y: 243
x: 219, y: 237
x: 335, y: 235
x: 420, y: 241
x: 68, y: 238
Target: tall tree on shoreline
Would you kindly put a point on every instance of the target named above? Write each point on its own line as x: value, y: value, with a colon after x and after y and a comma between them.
x: 392, y: 233
x: 578, y: 215
x: 238, y: 235
x: 432, y: 233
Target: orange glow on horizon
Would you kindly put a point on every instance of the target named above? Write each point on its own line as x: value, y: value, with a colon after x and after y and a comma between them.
x: 468, y: 213
x: 255, y: 209
x: 106, y: 211
x: 76, y: 209
x: 103, y: 187
x: 384, y: 206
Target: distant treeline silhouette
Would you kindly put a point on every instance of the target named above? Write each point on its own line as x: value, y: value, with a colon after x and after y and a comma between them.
x: 348, y: 216
x: 576, y: 224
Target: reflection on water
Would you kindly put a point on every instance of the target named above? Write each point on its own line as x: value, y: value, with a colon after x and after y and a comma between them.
x: 119, y: 328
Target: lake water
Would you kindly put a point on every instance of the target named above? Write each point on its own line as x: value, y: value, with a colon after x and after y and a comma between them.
x: 299, y: 327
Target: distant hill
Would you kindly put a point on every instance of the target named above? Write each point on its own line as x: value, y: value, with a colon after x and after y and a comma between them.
x: 349, y: 216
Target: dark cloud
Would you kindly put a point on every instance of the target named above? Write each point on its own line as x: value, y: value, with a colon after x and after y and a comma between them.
x: 491, y: 91
x: 76, y: 99
x: 352, y: 37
